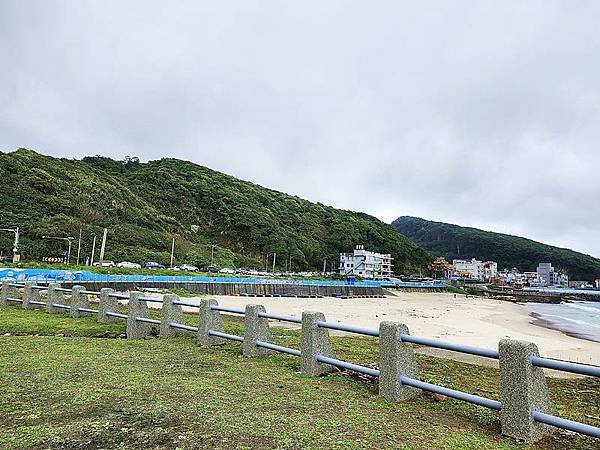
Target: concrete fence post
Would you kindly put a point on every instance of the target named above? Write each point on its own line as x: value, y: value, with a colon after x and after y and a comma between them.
x: 255, y: 328
x: 522, y: 390
x: 27, y: 291
x: 209, y: 320
x: 396, y: 358
x: 78, y: 300
x: 5, y: 293
x: 170, y: 313
x: 137, y: 308
x: 107, y: 304
x: 30, y: 294
x: 315, y: 340
x: 54, y: 296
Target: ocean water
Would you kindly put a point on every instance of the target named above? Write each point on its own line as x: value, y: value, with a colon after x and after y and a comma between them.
x: 575, y: 318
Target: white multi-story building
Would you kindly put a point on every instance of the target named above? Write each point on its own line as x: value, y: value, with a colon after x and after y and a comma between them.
x: 469, y: 268
x: 366, y: 264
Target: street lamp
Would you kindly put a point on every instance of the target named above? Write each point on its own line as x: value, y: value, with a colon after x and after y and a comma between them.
x: 16, y: 244
x: 68, y: 238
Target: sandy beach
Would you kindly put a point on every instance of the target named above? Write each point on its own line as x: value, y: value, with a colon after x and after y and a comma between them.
x: 460, y: 319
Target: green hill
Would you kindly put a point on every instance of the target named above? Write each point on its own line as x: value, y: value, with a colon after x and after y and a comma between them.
x: 144, y: 205
x: 453, y: 241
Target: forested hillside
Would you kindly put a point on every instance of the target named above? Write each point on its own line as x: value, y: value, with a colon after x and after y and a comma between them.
x: 453, y: 241
x: 145, y: 204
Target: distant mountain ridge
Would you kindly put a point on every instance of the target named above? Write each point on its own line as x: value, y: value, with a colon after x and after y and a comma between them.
x: 454, y: 241
x: 145, y: 205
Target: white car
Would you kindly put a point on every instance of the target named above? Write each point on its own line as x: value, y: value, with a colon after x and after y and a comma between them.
x: 129, y: 265
x: 226, y: 270
x: 187, y: 267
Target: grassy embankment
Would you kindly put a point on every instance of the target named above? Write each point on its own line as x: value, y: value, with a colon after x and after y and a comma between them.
x: 152, y: 272
x: 72, y: 383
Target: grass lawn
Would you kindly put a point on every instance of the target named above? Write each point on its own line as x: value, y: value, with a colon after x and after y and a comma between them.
x: 73, y: 383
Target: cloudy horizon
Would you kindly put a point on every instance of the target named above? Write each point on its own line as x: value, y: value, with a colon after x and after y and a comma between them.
x: 482, y: 114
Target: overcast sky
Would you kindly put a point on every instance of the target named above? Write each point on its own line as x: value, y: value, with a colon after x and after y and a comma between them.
x: 484, y: 114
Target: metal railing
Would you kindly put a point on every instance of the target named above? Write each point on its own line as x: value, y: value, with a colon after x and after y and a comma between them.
x: 536, y: 361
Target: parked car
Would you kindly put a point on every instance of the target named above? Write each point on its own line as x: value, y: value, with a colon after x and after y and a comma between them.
x: 153, y: 265
x: 107, y: 263
x: 211, y: 269
x: 227, y: 270
x: 129, y: 265
x: 188, y: 267
x: 6, y: 259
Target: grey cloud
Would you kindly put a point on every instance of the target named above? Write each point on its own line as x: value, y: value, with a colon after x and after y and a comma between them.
x: 481, y: 114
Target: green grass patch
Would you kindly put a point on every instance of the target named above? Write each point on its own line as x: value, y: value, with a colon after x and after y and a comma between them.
x: 82, y: 391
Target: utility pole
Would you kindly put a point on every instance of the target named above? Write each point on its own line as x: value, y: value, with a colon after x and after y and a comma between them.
x: 78, y: 246
x: 172, y: 251
x: 93, y: 251
x: 291, y: 263
x: 16, y: 256
x: 266, y: 261
x: 69, y: 251
x: 324, y: 266
x: 103, y: 247
x: 212, y: 255
x: 274, y: 258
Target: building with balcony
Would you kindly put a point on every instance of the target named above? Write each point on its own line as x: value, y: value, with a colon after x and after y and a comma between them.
x: 366, y: 264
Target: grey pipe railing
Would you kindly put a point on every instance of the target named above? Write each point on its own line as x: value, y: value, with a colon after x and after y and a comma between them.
x: 89, y: 292
x: 87, y: 310
x: 231, y: 337
x: 180, y: 303
x: 349, y: 328
x: 147, y: 320
x: 150, y: 299
x: 14, y: 300
x: 60, y: 289
x: 59, y: 305
x: 570, y: 425
x: 182, y: 326
x: 459, y: 395
x: 565, y: 366
x: 115, y: 314
x: 228, y: 310
x: 450, y: 346
x: 280, y: 317
x: 347, y: 365
x: 278, y: 348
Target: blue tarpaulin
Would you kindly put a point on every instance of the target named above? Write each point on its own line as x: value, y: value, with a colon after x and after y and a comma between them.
x: 48, y: 275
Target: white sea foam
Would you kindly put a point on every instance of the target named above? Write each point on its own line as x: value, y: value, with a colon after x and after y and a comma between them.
x: 577, y: 318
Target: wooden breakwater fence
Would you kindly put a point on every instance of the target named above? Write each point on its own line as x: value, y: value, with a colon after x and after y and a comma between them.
x: 238, y: 289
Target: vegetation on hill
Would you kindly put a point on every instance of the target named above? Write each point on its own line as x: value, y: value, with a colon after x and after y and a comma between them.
x: 453, y: 241
x: 70, y: 383
x: 144, y: 205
